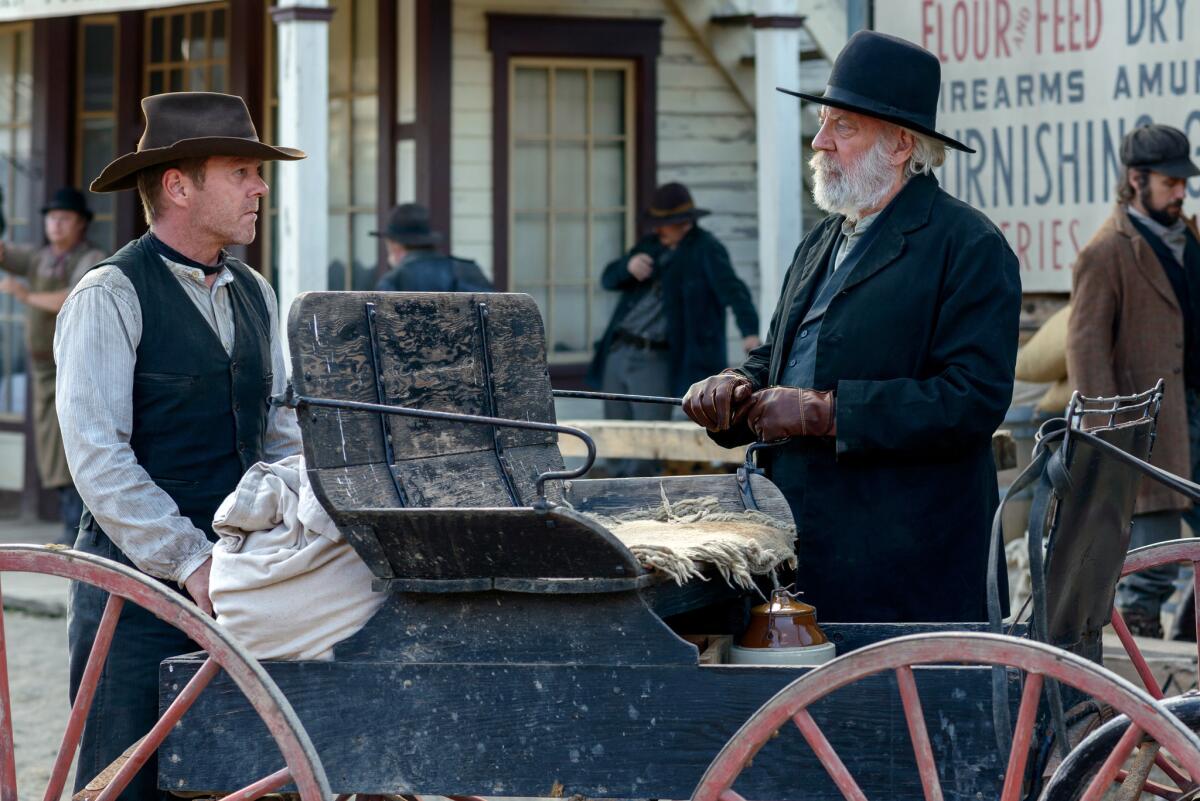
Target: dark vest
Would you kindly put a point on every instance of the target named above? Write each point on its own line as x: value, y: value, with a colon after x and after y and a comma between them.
x: 1185, y: 280
x: 199, y: 416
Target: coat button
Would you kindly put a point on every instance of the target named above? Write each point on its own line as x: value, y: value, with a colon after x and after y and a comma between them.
x: 792, y: 363
x: 803, y: 334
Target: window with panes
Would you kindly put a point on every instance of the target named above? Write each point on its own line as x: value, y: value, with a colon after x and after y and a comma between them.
x: 19, y: 207
x: 571, y: 191
x: 353, y: 143
x: 187, y: 49
x: 96, y: 119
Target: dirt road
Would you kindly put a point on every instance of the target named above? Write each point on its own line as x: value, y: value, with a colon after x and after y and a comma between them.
x: 37, y: 669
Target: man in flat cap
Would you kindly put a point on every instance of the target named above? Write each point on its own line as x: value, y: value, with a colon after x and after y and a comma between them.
x: 1135, y: 318
x: 889, y: 360
x: 416, y: 265
x: 167, y: 353
x: 41, y: 278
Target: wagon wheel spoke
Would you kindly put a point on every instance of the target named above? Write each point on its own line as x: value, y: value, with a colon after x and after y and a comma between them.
x: 828, y: 756
x: 268, y: 784
x: 1147, y: 786
x: 1177, y: 774
x: 1196, y: 614
x: 8, y: 763
x: 1135, y: 655
x: 1133, y: 781
x: 84, y: 697
x: 150, y: 743
x: 918, y: 731
x: 1018, y: 754
x: 1112, y: 765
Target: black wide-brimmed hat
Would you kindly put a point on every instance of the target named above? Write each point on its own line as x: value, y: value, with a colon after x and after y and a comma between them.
x: 888, y: 78
x: 184, y: 125
x: 408, y: 224
x: 69, y: 198
x: 672, y: 203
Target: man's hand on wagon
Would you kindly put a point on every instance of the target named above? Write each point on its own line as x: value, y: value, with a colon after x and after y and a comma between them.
x: 778, y: 412
x: 197, y: 586
x: 718, y: 401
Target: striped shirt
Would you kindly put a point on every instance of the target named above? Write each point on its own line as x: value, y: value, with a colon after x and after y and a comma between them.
x: 95, y: 347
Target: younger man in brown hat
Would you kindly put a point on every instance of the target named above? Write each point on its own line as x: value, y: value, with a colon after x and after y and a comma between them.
x: 49, y: 273
x: 1135, y: 318
x: 167, y: 353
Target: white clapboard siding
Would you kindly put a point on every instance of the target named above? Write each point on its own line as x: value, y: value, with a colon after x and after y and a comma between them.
x: 706, y: 135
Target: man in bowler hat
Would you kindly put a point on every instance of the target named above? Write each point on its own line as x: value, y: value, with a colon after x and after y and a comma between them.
x: 416, y: 264
x: 889, y: 361
x: 1135, y: 318
x: 668, y: 328
x: 46, y: 276
x: 167, y: 353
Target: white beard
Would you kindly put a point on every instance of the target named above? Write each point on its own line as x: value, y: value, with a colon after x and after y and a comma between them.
x: 863, y: 185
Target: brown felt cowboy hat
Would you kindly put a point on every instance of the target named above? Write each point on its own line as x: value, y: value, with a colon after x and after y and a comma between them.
x: 672, y: 203
x: 185, y: 125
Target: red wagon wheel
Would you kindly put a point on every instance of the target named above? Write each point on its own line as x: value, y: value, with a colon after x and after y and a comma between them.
x: 302, y: 766
x: 1163, y: 553
x: 1038, y: 662
x: 1150, y: 556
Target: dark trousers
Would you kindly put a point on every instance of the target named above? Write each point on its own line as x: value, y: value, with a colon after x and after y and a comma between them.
x: 636, y: 371
x: 1146, y: 591
x: 125, y: 707
x: 70, y: 509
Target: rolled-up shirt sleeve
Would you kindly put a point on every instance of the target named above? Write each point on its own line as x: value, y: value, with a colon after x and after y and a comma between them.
x: 95, y: 347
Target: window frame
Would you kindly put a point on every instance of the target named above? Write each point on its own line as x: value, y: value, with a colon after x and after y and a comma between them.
x: 82, y: 115
x: 570, y: 37
x: 628, y: 138
x: 10, y: 421
x: 187, y: 64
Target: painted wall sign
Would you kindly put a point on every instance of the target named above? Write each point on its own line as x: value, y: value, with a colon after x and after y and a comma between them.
x: 12, y: 10
x: 1044, y: 90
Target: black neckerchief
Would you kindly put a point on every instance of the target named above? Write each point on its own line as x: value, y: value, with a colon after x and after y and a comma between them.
x: 170, y: 254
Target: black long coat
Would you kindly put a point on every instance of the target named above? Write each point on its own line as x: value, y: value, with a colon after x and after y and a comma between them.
x: 698, y: 284
x: 919, y: 345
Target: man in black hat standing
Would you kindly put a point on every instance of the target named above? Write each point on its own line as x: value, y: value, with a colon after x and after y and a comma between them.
x: 668, y: 328
x: 167, y: 353
x: 416, y: 264
x: 1135, y: 318
x: 889, y: 361
x: 49, y: 273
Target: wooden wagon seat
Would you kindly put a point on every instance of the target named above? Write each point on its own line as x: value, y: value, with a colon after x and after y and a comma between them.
x: 432, y: 505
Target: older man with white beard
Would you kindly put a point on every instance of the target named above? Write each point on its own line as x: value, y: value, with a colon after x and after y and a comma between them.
x: 889, y: 361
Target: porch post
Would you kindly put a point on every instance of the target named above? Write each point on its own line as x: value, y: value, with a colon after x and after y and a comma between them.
x: 780, y: 177
x: 301, y: 196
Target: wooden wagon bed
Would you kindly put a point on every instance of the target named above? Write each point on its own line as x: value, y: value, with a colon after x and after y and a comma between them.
x: 524, y: 651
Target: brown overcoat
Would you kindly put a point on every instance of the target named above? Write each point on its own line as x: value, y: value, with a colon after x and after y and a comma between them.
x: 1126, y: 332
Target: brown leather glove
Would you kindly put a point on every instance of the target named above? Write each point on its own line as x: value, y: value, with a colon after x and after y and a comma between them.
x: 779, y: 412
x: 718, y: 401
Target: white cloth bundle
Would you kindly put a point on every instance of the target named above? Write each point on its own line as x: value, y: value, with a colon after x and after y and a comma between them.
x: 284, y: 582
